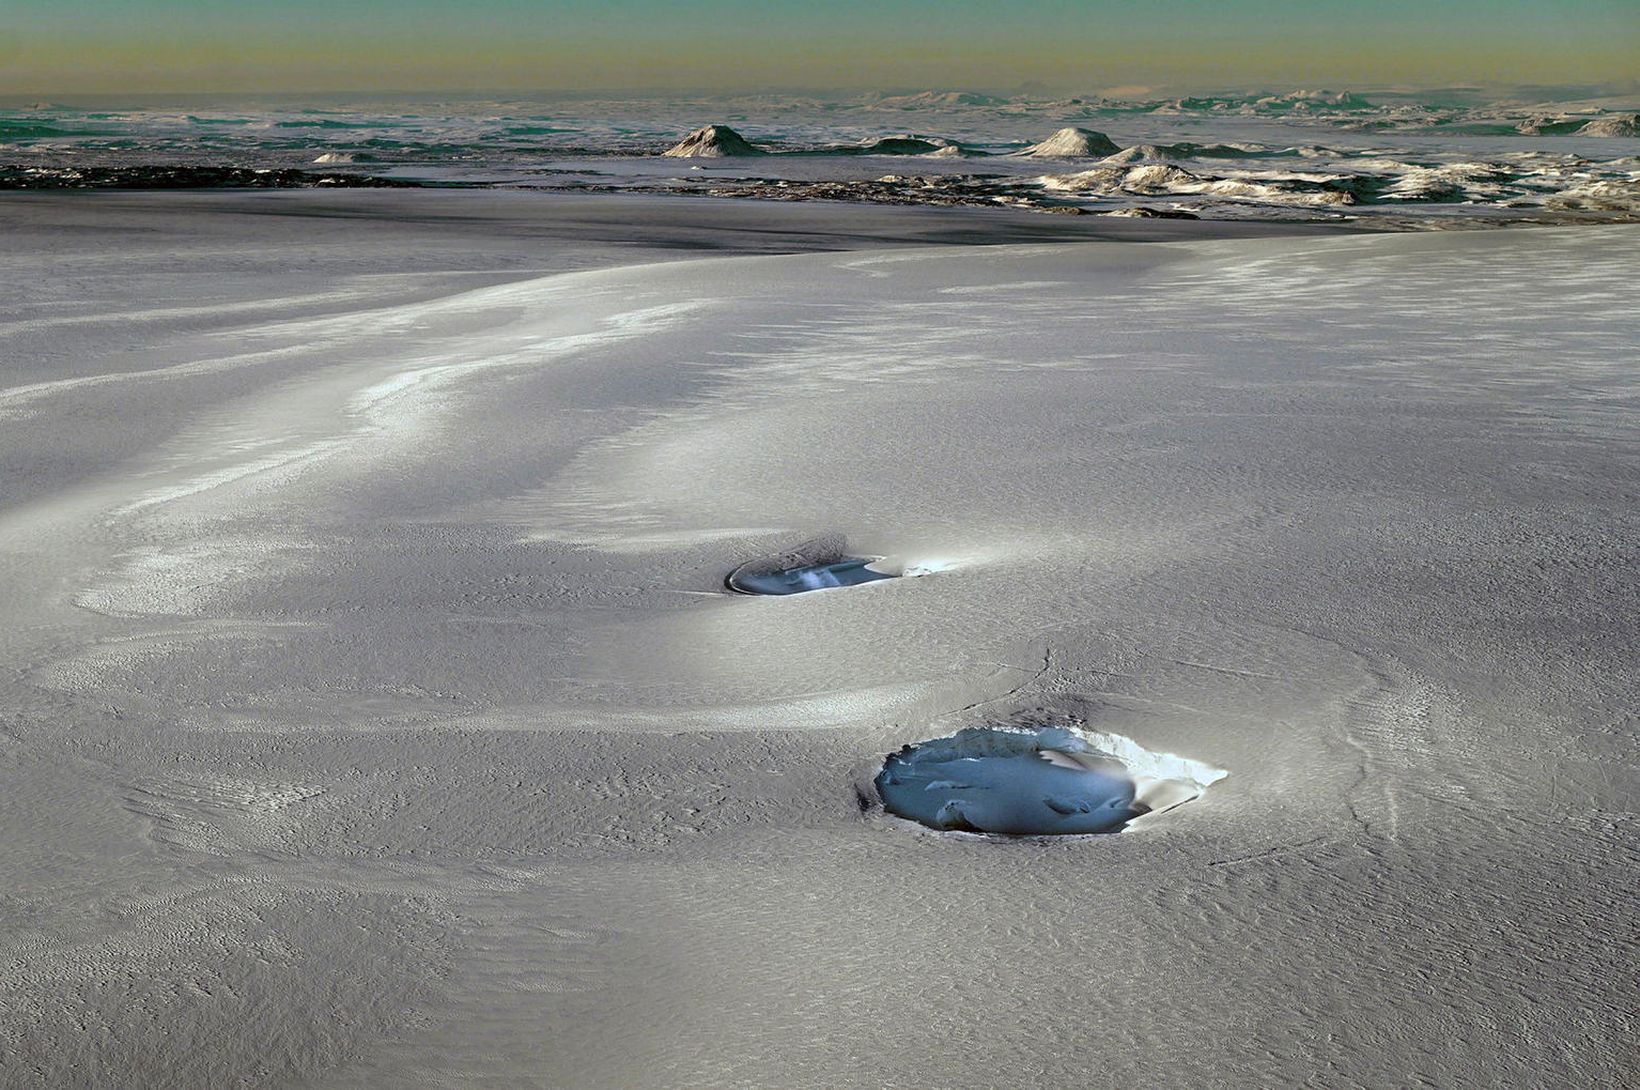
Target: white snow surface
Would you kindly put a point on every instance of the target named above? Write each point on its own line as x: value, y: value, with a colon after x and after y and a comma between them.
x: 374, y: 713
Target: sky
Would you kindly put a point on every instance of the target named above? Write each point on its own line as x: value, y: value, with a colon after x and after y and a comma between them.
x: 118, y: 46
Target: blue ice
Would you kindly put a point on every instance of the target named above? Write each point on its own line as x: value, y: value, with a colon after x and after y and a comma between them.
x: 842, y: 573
x: 1042, y: 782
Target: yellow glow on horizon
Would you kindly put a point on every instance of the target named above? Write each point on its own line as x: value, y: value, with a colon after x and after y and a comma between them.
x: 408, y: 62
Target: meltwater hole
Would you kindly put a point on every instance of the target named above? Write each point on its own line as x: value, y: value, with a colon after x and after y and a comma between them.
x: 758, y: 578
x: 1040, y: 781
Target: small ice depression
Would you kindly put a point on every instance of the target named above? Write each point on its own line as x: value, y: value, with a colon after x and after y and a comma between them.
x: 1040, y: 781
x: 822, y: 564
x: 850, y: 572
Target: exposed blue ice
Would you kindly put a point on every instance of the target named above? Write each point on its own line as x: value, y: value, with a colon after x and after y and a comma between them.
x: 842, y: 573
x: 1044, y: 781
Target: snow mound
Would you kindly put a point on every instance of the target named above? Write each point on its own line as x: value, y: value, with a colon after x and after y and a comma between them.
x: 1148, y: 179
x: 1310, y: 100
x: 1608, y: 196
x: 1168, y: 179
x: 1551, y: 126
x: 1138, y: 153
x: 1145, y: 213
x: 1156, y: 153
x: 712, y: 142
x: 1041, y: 781
x: 926, y: 99
x: 1072, y: 143
x: 900, y: 145
x: 1448, y: 183
x: 909, y: 144
x: 1293, y: 102
x: 1615, y: 125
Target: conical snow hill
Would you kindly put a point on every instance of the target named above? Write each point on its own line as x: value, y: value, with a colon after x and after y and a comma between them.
x: 712, y: 142
x: 1072, y: 143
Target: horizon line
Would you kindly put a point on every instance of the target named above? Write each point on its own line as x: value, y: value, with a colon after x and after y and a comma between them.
x: 1027, y: 90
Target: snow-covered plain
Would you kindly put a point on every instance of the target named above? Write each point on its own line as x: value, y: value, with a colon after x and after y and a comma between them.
x: 374, y: 712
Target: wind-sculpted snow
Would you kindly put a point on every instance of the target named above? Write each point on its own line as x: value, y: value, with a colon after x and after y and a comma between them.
x: 1517, y: 186
x: 923, y: 100
x: 1155, y: 153
x: 1381, y: 158
x: 1166, y: 179
x: 1306, y: 102
x: 1618, y: 126
x: 374, y: 714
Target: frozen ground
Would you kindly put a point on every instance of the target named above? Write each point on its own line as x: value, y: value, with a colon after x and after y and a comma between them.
x: 374, y: 712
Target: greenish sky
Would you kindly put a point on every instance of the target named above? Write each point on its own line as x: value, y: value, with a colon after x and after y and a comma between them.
x: 110, y: 46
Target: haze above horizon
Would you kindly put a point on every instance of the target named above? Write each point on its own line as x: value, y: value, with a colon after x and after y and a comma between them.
x: 181, y: 46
